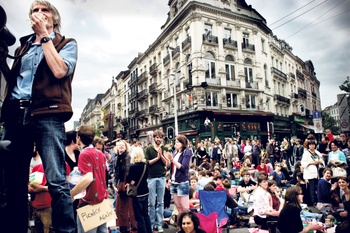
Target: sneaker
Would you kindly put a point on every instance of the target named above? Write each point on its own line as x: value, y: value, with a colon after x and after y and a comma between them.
x: 155, y: 229
x: 160, y: 229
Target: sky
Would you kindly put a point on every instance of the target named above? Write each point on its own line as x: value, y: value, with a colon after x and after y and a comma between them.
x: 110, y: 34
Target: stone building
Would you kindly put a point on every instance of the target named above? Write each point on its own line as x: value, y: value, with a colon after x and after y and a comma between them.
x: 216, y: 59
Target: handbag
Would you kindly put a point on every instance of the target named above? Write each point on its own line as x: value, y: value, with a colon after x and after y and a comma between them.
x: 132, y: 189
x: 338, y: 172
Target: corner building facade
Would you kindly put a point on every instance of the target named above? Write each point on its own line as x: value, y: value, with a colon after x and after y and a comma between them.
x: 224, y: 63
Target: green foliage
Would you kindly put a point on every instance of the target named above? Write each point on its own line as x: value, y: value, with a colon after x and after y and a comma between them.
x: 346, y: 85
x: 98, y: 133
x: 329, y: 122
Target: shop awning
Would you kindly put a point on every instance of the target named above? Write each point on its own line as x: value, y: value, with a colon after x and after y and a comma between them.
x: 307, y: 126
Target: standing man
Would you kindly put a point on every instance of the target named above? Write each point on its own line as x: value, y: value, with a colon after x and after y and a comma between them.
x: 36, y: 106
x: 256, y: 150
x: 156, y: 157
x: 228, y: 153
x: 92, y: 165
x: 324, y: 148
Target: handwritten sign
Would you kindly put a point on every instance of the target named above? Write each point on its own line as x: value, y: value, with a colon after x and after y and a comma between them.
x: 92, y: 216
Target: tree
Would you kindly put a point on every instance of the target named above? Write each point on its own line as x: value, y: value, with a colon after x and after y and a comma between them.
x: 346, y: 85
x: 329, y: 122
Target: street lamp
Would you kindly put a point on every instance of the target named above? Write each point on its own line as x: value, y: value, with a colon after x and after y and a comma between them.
x: 170, y: 49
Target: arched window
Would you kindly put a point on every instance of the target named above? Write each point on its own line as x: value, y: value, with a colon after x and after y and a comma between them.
x: 230, y: 68
x: 248, y: 61
x: 265, y: 76
x: 248, y: 72
x: 209, y: 66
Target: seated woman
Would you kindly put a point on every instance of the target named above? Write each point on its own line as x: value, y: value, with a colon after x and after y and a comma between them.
x: 289, y: 220
x: 344, y: 214
x: 336, y: 155
x: 269, y: 166
x: 262, y: 167
x: 194, y: 203
x: 276, y: 200
x: 278, y: 176
x: 325, y: 190
x: 188, y: 222
x: 297, y: 169
x: 305, y: 188
x: 263, y: 211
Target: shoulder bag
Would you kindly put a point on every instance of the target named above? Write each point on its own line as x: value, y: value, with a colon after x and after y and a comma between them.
x: 132, y: 189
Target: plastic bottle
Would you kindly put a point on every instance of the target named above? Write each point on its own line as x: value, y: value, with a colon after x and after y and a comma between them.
x: 74, y: 177
x: 240, y: 202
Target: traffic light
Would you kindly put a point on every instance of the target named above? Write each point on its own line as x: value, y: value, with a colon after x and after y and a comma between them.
x: 170, y: 132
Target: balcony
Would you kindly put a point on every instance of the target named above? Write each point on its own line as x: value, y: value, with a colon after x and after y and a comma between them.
x: 133, y: 95
x: 142, y: 113
x: 125, y: 121
x: 186, y: 43
x: 253, y: 85
x: 213, y: 81
x: 210, y: 39
x: 132, y: 81
x: 294, y: 97
x: 153, y: 88
x: 166, y: 59
x: 132, y: 111
x: 143, y: 95
x: 314, y: 94
x: 153, y: 69
x: 229, y: 43
x: 300, y: 75
x: 133, y: 129
x: 279, y: 73
x: 142, y: 78
x: 175, y: 52
x: 153, y: 108
x: 302, y: 92
x: 281, y: 99
x: 292, y: 75
x: 235, y: 83
x: 248, y: 47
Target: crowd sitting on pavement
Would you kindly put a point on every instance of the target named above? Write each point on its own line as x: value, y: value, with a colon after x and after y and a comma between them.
x: 261, y: 185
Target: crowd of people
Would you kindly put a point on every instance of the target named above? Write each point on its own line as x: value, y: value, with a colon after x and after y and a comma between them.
x: 177, y: 171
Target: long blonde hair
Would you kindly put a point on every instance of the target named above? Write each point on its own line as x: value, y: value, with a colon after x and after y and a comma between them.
x: 127, y: 146
x: 137, y: 155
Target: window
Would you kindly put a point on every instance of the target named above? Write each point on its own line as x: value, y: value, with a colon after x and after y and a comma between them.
x: 231, y: 100
x: 248, y: 72
x: 265, y: 76
x: 208, y: 29
x: 211, y: 99
x: 230, y: 68
x: 189, y: 68
x: 245, y: 40
x: 227, y: 33
x: 189, y: 72
x: 250, y: 101
x: 209, y: 66
x: 263, y: 45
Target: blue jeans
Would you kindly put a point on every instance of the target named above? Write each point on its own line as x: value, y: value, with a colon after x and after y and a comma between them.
x: 156, y: 188
x: 100, y: 229
x: 48, y: 133
x: 140, y: 205
x: 313, y: 189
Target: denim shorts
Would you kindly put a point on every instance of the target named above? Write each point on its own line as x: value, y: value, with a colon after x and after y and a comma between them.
x: 181, y: 189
